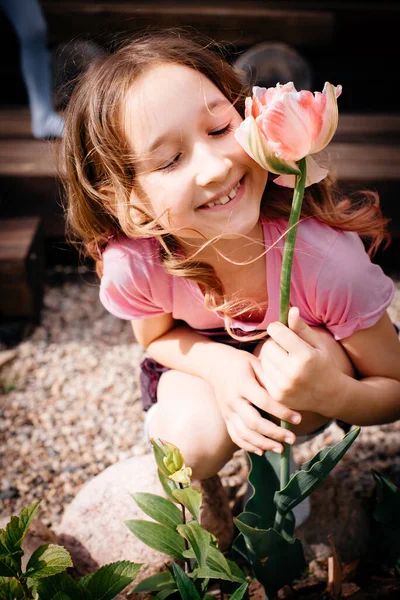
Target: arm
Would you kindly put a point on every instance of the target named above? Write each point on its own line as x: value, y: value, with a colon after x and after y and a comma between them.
x: 304, y: 376
x: 233, y: 374
x: 375, y: 397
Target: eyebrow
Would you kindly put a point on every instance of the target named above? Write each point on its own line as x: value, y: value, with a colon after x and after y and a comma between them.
x: 159, y: 141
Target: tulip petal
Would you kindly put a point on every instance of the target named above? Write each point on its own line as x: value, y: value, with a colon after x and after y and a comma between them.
x: 249, y: 137
x: 314, y: 174
x: 327, y: 103
x: 288, y: 125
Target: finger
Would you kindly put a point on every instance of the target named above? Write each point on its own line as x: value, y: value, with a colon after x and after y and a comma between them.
x: 286, y: 338
x: 274, y: 379
x: 255, y: 422
x: 236, y: 439
x: 253, y: 438
x: 296, y: 324
x: 262, y: 397
x: 275, y: 354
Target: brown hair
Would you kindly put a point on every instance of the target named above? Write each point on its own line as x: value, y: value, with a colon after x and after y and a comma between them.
x: 100, y: 166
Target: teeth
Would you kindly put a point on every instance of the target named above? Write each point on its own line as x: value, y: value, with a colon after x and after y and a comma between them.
x: 225, y: 199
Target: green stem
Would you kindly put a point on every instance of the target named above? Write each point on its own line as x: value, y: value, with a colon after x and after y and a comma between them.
x: 287, y: 262
x: 187, y: 560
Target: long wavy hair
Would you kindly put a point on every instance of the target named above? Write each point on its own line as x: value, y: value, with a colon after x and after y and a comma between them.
x: 98, y: 169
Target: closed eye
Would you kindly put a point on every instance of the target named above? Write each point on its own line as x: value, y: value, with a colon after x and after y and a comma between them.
x: 222, y: 131
x: 172, y: 164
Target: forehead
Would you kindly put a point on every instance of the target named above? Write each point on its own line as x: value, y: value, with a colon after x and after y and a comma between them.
x: 167, y: 99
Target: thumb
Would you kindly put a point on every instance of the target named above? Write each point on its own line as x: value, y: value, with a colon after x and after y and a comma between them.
x: 298, y: 326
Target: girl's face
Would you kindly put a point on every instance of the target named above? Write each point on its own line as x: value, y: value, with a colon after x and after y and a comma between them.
x: 193, y: 173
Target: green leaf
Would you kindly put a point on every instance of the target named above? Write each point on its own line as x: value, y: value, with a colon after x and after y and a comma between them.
x: 236, y: 570
x: 303, y: 483
x: 160, y: 509
x: 264, y: 478
x: 190, y: 497
x: 47, y: 560
x: 10, y: 564
x: 11, y: 589
x: 160, y: 452
x: 168, y: 486
x: 185, y: 586
x: 63, y: 583
x: 158, y: 536
x: 199, y: 539
x: 165, y: 593
x: 276, y: 561
x: 240, y: 592
x: 217, y: 561
x: 108, y: 581
x: 11, y: 538
x: 387, y: 509
x: 207, y: 572
x: 154, y: 583
x: 61, y: 596
x: 11, y: 541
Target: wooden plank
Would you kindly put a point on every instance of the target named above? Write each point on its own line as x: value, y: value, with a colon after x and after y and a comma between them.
x: 16, y: 236
x: 28, y: 158
x: 365, y: 148
x: 234, y: 22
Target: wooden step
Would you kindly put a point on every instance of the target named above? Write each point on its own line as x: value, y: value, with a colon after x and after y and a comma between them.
x: 365, y: 152
x: 21, y: 268
x: 241, y: 23
x: 365, y: 148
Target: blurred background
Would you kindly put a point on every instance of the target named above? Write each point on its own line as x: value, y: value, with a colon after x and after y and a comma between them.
x: 68, y: 375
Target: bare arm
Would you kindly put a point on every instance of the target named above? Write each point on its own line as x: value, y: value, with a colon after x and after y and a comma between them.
x: 302, y: 375
x: 233, y: 374
x: 375, y: 397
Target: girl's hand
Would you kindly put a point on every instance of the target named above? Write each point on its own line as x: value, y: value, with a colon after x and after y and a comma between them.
x: 303, y: 366
x: 238, y: 390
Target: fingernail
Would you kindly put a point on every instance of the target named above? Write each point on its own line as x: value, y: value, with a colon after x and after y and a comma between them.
x: 295, y: 419
x: 260, y: 452
x: 277, y: 449
x: 289, y: 440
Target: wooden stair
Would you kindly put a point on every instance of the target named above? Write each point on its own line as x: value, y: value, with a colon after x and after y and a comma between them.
x: 365, y: 152
x: 335, y: 36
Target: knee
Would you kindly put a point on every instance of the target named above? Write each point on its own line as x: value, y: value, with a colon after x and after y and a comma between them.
x: 204, y: 454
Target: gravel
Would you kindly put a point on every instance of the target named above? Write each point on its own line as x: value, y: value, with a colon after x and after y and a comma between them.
x: 70, y: 405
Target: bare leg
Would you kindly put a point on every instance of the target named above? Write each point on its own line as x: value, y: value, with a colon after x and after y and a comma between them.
x: 188, y: 416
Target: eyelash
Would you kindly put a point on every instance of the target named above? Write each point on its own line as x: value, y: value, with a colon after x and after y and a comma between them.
x: 220, y: 132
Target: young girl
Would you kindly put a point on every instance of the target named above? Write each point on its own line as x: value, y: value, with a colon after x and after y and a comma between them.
x: 190, y: 232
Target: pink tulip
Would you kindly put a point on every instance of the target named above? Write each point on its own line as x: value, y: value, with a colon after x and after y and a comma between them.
x: 283, y: 126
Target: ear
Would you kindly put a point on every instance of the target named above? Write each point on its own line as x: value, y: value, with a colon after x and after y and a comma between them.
x: 109, y: 199
x: 138, y: 209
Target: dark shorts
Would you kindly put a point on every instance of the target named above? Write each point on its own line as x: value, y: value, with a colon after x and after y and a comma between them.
x: 151, y: 372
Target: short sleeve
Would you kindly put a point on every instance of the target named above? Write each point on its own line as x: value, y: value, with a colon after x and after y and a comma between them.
x: 133, y: 284
x: 351, y: 292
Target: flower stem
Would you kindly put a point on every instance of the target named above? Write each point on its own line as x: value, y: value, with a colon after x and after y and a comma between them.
x: 287, y: 262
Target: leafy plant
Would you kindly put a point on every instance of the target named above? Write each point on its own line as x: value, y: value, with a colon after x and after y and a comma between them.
x: 387, y: 515
x: 265, y: 546
x: 190, y: 544
x: 45, y: 576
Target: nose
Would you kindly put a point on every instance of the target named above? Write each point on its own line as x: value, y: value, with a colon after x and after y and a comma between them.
x: 211, y: 165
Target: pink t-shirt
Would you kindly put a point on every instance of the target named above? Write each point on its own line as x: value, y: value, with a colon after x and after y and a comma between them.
x: 333, y: 282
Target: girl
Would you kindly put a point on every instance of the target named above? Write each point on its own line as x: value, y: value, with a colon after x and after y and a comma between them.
x: 190, y: 232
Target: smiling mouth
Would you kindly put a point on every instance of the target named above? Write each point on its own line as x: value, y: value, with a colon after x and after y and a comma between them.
x: 224, y: 199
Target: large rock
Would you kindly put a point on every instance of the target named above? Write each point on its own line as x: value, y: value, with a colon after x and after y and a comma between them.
x: 93, y: 530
